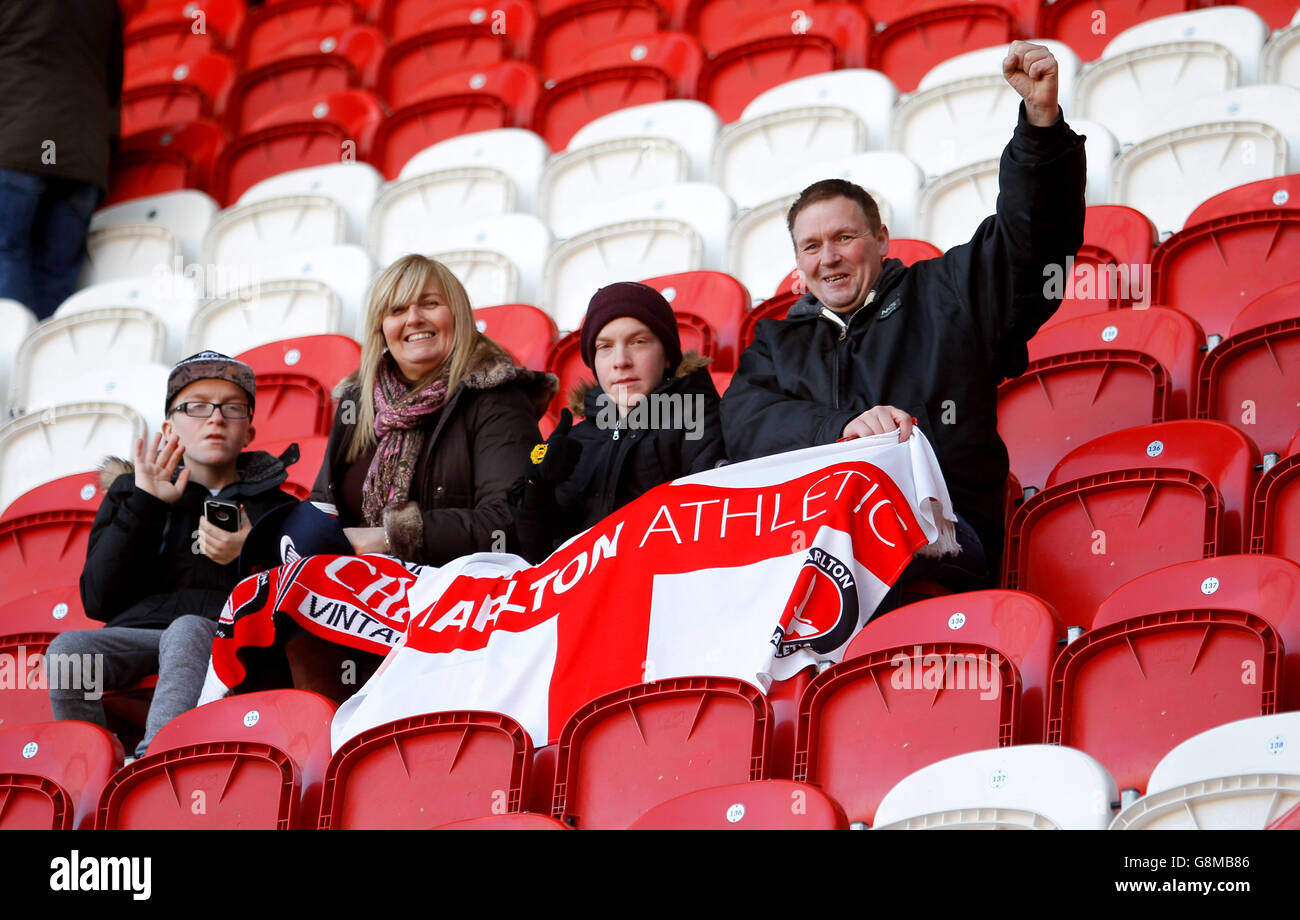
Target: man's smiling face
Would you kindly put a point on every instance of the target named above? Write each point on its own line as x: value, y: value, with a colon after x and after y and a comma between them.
x: 838, y: 255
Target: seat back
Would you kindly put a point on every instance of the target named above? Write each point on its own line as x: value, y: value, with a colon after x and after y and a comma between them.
x: 769, y: 805
x: 276, y: 310
x: 909, y: 46
x: 326, y: 359
x: 51, y: 774
x: 78, y: 492
x: 1275, y: 520
x: 716, y: 297
x: 255, y: 232
x: 521, y: 329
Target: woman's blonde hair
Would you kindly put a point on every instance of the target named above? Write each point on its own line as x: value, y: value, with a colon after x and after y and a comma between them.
x: 403, y: 282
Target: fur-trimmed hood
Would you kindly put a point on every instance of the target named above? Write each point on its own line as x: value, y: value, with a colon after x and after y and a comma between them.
x: 256, y: 468
x: 691, y: 362
x: 490, y: 366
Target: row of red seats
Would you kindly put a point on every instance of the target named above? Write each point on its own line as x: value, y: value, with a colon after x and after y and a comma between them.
x: 1161, y: 662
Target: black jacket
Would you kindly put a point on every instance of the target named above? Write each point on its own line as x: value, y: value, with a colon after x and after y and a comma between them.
x: 142, y: 569
x: 613, y: 471
x: 936, y: 340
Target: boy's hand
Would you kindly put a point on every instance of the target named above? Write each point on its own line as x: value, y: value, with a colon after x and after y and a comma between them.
x: 223, y: 546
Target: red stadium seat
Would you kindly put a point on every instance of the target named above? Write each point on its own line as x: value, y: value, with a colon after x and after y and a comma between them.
x: 1250, y: 378
x: 78, y: 492
x: 769, y: 805
x: 171, y: 32
x: 327, y: 359
x: 25, y: 698
x: 1092, y: 375
x: 303, y: 473
x: 524, y: 821
x: 175, y: 93
x: 869, y: 721
x: 43, y: 550
x: 623, y: 73
x: 1213, y: 270
x: 629, y: 750
x: 578, y: 28
x: 291, y: 407
x: 427, y: 771
x: 311, y: 131
x: 565, y: 362
x: 828, y: 36
x: 1288, y: 822
x: 1112, y: 268
x: 695, y: 333
x: 1265, y: 585
x: 1129, y: 691
x: 909, y: 46
x: 717, y: 297
x: 1275, y: 520
x: 1126, y: 503
x: 1077, y: 23
x: 164, y: 160
x: 714, y: 21
x: 515, y: 21
x: 351, y: 63
x: 521, y: 329
x: 1278, y: 192
x: 53, y: 610
x: 51, y: 774
x: 255, y: 760
x: 772, y: 308
x: 1019, y: 627
x: 721, y: 380
x: 276, y: 27
x: 480, y: 99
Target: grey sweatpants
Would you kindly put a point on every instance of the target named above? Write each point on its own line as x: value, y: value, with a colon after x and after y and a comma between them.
x: 122, y: 655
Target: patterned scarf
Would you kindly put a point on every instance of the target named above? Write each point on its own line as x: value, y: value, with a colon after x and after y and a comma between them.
x: 400, y: 414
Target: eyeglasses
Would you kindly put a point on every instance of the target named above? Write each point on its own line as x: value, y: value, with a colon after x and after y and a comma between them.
x: 234, y: 410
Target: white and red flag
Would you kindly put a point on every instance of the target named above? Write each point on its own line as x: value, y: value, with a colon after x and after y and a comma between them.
x: 752, y: 571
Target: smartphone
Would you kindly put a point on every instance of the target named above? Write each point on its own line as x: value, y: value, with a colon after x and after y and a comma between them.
x: 222, y: 514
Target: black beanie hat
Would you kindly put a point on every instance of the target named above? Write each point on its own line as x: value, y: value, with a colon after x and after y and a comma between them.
x: 639, y: 301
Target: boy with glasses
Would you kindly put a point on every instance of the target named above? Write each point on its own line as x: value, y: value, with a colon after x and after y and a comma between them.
x: 157, y: 570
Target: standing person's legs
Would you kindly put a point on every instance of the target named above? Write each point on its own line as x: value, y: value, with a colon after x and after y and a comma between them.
x: 20, y: 197
x: 59, y: 241
x: 107, y: 659
x: 183, y: 654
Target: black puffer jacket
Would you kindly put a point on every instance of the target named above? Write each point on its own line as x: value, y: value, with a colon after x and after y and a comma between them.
x: 613, y: 471
x: 142, y: 569
x: 936, y: 340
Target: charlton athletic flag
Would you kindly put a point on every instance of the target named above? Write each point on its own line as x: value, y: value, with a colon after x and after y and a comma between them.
x: 754, y: 571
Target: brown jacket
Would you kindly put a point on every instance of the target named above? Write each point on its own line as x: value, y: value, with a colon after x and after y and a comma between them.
x: 474, y: 454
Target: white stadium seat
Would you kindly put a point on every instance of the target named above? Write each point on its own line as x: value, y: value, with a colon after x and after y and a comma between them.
x: 136, y: 386
x: 1022, y: 787
x: 446, y: 197
x: 1100, y: 148
x: 953, y: 205
x: 128, y: 251
x: 502, y: 257
x: 987, y: 62
x: 1280, y: 61
x: 1236, y: 28
x: 17, y: 321
x: 692, y: 125
x: 171, y: 297
x: 578, y: 186
x: 63, y: 348
x: 61, y: 441
x: 869, y: 94
x: 187, y: 213
x: 955, y: 124
x: 891, y: 178
x: 347, y: 270
x: 518, y: 153
x: 759, y: 252
x: 248, y: 234
x: 272, y: 311
x: 352, y: 185
x: 1239, y: 776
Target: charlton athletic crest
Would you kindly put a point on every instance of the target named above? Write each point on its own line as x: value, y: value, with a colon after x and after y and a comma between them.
x: 823, y: 607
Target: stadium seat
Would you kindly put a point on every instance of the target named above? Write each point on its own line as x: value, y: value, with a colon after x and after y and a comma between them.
x: 523, y: 330
x: 51, y: 774
x: 327, y: 359
x: 1126, y: 503
x: 692, y: 125
x: 564, y: 360
x: 291, y: 407
x: 523, y: 821
x: 1092, y: 375
x: 177, y: 92
x: 426, y: 771
x: 20, y: 321
x: 1240, y: 776
x: 246, y: 234
x: 766, y: 805
x: 1266, y: 586
x: 304, y: 470
x: 256, y: 760
x: 721, y: 380
x: 275, y: 29
x: 309, y: 67
x: 25, y: 698
x: 951, y: 206
x: 586, y: 179
x: 629, y: 750
x: 517, y: 152
x: 171, y: 32
x: 52, y: 610
x: 759, y: 247
x: 77, y: 492
x: 515, y: 21
x: 1277, y: 192
x: 1112, y: 268
x: 274, y: 310
x: 866, y: 93
x: 164, y: 160
x: 1205, y: 146
x: 627, y: 72
x: 503, y: 95
x: 464, y: 193
x: 1076, y: 21
x: 909, y: 46
x: 1213, y: 270
x: 1275, y: 520
x: 43, y: 550
x: 715, y: 21
x: 986, y: 62
x: 186, y: 214
x: 716, y: 297
x: 57, y: 442
x: 1025, y: 787
x: 950, y: 125
x: 352, y: 185
x: 574, y: 29
x: 1018, y: 627
x: 871, y: 720
x: 772, y: 308
x: 127, y: 251
x: 1280, y: 60
x: 310, y: 131
x: 1249, y: 379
